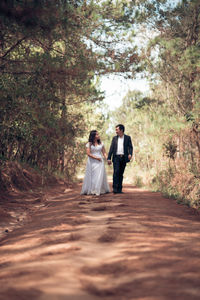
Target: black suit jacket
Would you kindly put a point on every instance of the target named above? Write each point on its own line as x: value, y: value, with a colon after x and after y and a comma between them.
x: 128, y: 148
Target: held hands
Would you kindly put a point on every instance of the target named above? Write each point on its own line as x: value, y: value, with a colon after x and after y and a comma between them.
x: 109, y: 162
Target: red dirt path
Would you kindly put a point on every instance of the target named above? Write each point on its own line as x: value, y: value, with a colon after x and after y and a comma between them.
x: 136, y: 245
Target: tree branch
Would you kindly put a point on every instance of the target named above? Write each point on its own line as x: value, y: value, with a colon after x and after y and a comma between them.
x: 13, y: 47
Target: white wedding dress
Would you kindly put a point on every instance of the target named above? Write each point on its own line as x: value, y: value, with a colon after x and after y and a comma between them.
x: 95, y: 180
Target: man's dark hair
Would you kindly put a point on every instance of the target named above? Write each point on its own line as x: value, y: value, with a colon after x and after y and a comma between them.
x: 121, y: 127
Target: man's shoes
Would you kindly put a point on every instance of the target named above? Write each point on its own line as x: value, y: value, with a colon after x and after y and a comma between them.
x: 117, y: 192
x: 120, y: 192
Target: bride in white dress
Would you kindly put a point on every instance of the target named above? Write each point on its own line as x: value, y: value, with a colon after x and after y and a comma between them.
x: 95, y: 180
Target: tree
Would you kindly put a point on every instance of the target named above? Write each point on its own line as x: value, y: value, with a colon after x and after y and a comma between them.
x: 50, y: 55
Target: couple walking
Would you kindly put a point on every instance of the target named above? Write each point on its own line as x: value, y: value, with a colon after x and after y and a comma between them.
x: 121, y: 149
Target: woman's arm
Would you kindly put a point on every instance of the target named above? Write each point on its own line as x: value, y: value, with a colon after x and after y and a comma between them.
x: 104, y: 152
x: 92, y: 156
x: 110, y: 153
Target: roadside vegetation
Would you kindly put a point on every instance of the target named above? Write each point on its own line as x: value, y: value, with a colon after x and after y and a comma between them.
x: 52, y: 57
x: 165, y: 124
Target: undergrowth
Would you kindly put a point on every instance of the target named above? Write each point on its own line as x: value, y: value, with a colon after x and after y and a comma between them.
x: 16, y: 176
x: 180, y: 183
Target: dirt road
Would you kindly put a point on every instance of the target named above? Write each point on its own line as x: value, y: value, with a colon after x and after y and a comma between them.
x: 136, y: 245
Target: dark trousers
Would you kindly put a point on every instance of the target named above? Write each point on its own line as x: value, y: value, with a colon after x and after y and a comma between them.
x: 119, y: 165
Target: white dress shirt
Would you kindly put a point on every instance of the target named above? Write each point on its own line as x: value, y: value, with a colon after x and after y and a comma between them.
x: 120, y: 145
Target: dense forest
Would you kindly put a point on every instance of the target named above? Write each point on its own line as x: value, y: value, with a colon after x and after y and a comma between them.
x: 165, y: 125
x: 52, y: 57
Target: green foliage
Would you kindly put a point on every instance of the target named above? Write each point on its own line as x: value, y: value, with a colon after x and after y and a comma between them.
x: 179, y: 184
x: 177, y: 48
x: 164, y: 125
x: 50, y: 56
x: 170, y: 149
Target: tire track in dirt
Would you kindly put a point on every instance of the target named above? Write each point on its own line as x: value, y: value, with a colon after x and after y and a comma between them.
x: 136, y: 245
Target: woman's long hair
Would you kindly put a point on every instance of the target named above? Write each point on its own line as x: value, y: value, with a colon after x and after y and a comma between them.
x: 92, y: 137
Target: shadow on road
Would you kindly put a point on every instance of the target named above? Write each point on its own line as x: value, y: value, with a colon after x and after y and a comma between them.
x: 136, y: 245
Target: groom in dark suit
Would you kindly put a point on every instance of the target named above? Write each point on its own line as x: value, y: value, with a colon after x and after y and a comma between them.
x: 121, y: 151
